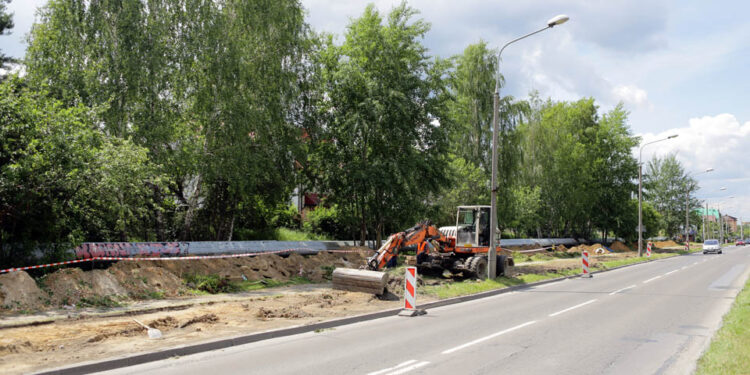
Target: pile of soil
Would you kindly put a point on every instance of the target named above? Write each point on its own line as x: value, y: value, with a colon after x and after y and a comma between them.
x: 666, y: 244
x: 138, y: 280
x: 619, y: 247
x: 18, y: 291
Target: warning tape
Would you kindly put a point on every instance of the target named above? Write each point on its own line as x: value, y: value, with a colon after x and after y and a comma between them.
x: 166, y: 258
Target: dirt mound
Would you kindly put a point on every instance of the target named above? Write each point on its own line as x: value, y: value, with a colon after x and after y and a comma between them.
x: 143, y: 281
x: 205, y: 318
x: 19, y: 291
x: 286, y: 313
x: 666, y: 244
x: 619, y: 247
x: 560, y: 248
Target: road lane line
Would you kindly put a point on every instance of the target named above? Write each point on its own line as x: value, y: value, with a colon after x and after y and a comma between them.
x: 477, y: 341
x: 652, y: 279
x: 407, y: 363
x: 670, y: 272
x: 622, y: 290
x: 407, y: 369
x: 573, y: 307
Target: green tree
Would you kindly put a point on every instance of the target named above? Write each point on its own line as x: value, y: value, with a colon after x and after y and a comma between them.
x: 581, y: 163
x: 382, y: 151
x: 208, y: 87
x: 61, y: 180
x: 665, y: 185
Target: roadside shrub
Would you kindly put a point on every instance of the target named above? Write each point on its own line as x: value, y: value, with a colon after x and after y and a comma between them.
x: 328, y: 221
x: 209, y: 283
x: 287, y: 217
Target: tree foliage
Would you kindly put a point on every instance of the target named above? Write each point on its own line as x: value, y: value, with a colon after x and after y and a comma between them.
x: 61, y: 180
x: 206, y: 86
x: 665, y: 185
x: 582, y: 164
x: 381, y: 150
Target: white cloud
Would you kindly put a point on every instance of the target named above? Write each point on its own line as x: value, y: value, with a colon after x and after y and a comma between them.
x: 720, y: 142
x: 632, y: 94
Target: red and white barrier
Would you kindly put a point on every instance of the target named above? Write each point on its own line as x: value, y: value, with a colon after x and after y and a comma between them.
x: 648, y: 250
x: 165, y: 258
x: 585, y: 264
x: 410, y: 289
x: 687, y: 246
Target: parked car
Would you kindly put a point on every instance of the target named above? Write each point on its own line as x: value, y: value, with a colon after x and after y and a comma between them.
x: 740, y: 242
x: 711, y: 246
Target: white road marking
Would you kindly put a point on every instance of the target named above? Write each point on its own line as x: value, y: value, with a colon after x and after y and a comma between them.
x: 573, y: 307
x: 652, y: 279
x: 683, y: 267
x: 670, y: 272
x: 407, y: 369
x: 477, y: 341
x: 621, y: 290
x: 407, y: 363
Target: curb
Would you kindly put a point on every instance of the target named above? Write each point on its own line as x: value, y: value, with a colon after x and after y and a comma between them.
x: 112, y: 364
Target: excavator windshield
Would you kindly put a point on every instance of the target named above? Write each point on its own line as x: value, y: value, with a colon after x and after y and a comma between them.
x: 472, y: 226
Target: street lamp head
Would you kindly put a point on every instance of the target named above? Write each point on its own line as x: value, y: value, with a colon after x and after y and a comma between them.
x: 673, y: 136
x: 709, y: 170
x: 557, y: 20
x: 723, y: 188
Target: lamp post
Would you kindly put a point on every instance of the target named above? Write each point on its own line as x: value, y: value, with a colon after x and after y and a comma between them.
x: 492, y: 251
x: 640, y: 188
x: 687, y: 209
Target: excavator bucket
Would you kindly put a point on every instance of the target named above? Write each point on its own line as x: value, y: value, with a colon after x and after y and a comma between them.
x: 356, y: 280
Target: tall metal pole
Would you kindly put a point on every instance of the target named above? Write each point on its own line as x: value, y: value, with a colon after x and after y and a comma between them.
x: 492, y: 251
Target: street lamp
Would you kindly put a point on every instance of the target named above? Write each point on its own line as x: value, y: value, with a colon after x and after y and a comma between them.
x: 640, y: 176
x: 687, y: 209
x: 492, y: 251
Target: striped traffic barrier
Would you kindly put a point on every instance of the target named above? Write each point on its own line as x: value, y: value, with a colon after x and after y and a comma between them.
x: 410, y: 294
x: 687, y: 246
x: 648, y: 250
x: 585, y: 264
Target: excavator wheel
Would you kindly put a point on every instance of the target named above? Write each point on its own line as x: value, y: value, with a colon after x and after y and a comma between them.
x: 477, y: 265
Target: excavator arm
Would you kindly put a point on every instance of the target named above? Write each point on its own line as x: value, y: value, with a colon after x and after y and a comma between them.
x: 422, y: 239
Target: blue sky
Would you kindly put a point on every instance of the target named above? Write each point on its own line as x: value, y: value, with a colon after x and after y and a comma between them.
x: 679, y: 67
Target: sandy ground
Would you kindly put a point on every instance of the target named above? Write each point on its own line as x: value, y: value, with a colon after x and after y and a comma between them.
x: 84, y: 338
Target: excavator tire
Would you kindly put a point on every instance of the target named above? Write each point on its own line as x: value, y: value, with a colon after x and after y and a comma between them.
x: 478, y: 266
x: 501, y: 259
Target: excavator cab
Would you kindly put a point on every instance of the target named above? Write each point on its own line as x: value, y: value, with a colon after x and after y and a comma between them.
x: 473, y: 226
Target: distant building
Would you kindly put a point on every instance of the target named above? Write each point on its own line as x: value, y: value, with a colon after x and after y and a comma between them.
x: 710, y: 215
x: 731, y: 222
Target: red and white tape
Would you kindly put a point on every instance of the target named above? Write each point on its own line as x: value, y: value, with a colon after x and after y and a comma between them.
x: 585, y: 264
x: 648, y: 250
x: 410, y: 288
x: 165, y: 258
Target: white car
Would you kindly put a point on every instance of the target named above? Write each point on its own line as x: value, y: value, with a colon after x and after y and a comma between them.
x: 711, y: 246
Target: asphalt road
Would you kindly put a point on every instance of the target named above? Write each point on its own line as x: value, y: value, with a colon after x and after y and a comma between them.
x: 651, y: 318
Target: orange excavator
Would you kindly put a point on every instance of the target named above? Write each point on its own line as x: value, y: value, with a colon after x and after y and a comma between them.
x: 460, y: 249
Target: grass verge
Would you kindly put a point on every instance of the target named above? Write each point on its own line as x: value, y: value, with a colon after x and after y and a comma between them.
x: 729, y: 352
